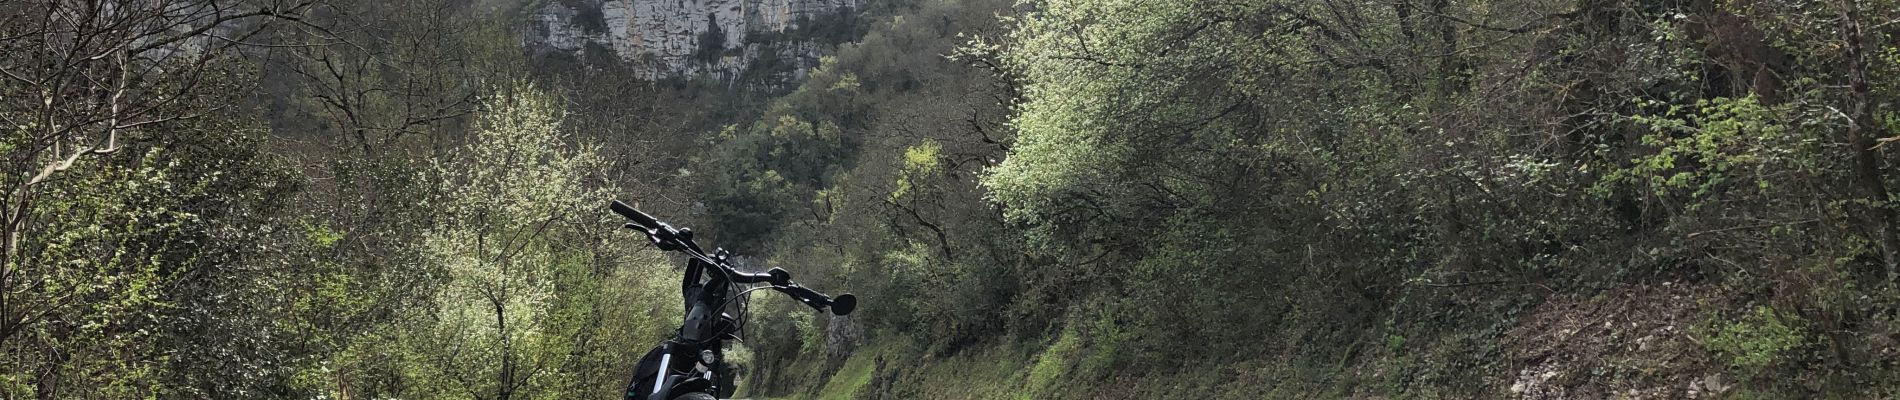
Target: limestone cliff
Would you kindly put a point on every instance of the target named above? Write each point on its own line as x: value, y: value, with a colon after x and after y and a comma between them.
x: 722, y: 39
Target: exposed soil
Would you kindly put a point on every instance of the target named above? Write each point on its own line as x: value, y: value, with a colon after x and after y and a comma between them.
x: 1636, y: 341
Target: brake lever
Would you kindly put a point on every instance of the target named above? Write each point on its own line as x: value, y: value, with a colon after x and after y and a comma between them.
x: 654, y: 235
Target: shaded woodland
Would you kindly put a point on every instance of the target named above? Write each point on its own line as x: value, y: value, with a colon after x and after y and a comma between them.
x: 1033, y: 199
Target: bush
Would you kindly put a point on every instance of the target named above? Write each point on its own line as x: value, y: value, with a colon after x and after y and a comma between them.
x: 1757, y: 340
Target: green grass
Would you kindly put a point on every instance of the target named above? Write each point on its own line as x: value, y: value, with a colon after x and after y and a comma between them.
x: 987, y: 373
x: 1054, y: 371
x: 853, y: 377
x: 1052, y: 365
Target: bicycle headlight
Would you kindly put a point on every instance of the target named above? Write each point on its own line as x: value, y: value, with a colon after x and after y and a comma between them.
x: 707, y: 356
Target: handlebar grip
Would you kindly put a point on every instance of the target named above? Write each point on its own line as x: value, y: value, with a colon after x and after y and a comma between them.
x: 841, y: 305
x: 639, y: 218
x: 809, y: 297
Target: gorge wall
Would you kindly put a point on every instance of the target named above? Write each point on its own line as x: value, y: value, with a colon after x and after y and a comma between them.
x: 765, y: 41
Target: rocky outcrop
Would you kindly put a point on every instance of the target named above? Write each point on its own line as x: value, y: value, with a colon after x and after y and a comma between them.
x: 722, y: 39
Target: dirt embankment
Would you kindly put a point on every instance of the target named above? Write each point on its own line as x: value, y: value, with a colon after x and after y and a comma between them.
x: 1637, y: 341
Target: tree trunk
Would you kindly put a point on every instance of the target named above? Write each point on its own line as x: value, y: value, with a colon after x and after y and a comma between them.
x: 1861, y: 129
x: 505, y: 388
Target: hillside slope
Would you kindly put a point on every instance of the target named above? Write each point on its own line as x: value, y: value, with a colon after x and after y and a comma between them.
x: 1278, y: 199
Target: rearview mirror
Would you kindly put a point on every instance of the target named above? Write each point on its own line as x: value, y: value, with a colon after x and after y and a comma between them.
x: 844, y: 304
x: 780, y: 277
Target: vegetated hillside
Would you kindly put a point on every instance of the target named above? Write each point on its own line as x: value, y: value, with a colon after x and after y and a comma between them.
x: 1351, y: 199
x: 1038, y: 199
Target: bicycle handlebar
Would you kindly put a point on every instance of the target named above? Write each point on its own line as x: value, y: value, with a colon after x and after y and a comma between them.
x: 681, y: 240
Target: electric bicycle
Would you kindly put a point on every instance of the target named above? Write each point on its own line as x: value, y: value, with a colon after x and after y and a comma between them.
x: 692, y: 365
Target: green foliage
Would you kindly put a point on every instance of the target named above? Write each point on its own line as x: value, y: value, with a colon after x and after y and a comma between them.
x: 321, y: 235
x: 852, y: 379
x: 101, y: 274
x: 502, y: 268
x: 920, y: 162
x: 1706, y: 149
x: 1051, y: 365
x: 1343, y: 166
x: 1758, y: 339
x: 1226, y: 200
x: 125, y: 271
x: 762, y: 174
x: 516, y: 299
x: 1159, y: 164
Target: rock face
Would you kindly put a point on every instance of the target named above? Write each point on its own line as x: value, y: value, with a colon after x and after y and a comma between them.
x: 722, y: 39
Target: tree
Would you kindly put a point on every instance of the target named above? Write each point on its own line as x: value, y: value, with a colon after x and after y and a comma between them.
x: 517, y: 182
x: 114, y: 193
x: 533, y: 301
